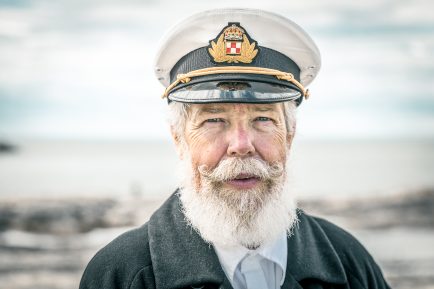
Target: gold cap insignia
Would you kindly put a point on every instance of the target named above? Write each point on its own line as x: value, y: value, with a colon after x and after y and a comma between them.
x: 233, y: 45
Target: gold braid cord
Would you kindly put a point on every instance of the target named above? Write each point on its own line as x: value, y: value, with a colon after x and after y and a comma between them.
x: 185, y: 78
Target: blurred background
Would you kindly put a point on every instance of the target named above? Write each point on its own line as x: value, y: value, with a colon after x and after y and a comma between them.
x: 85, y: 150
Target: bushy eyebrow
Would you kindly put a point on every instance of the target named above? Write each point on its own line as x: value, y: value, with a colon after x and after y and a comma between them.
x: 264, y: 108
x: 220, y: 109
x: 211, y: 109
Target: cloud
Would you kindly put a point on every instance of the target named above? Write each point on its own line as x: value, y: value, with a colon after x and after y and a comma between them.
x: 88, y: 65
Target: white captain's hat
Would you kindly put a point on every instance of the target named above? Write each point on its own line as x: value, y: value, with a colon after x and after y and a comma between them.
x: 237, y: 55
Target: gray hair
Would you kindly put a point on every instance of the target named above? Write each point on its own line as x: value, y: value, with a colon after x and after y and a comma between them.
x: 179, y: 112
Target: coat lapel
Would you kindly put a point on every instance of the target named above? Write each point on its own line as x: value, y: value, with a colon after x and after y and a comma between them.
x: 311, y: 255
x: 180, y: 257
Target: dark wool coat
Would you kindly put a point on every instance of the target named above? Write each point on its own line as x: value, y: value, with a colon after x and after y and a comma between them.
x: 166, y: 253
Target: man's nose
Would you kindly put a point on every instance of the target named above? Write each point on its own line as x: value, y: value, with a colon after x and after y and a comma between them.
x: 240, y: 142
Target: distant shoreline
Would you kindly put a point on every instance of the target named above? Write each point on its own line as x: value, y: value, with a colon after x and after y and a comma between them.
x: 70, y: 216
x: 68, y: 169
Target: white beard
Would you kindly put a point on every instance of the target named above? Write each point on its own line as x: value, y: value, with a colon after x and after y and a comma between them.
x: 229, y: 217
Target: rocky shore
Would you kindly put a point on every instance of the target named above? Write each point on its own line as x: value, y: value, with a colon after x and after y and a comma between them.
x: 47, y: 243
x: 411, y: 210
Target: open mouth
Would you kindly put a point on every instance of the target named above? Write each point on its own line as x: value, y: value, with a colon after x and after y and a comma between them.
x: 244, y: 181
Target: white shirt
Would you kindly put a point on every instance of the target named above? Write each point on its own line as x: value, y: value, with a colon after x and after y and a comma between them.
x: 273, y: 262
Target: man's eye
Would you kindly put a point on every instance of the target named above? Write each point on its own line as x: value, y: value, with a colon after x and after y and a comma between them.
x: 214, y: 120
x: 263, y: 118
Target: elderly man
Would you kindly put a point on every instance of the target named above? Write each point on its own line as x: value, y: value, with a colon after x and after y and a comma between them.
x: 234, y: 78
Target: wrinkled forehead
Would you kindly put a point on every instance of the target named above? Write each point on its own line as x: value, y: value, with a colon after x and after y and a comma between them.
x: 234, y: 108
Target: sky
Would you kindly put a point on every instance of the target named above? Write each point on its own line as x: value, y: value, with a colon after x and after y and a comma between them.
x: 75, y: 69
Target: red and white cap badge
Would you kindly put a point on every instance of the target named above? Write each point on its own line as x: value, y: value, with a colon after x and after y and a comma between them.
x: 233, y: 45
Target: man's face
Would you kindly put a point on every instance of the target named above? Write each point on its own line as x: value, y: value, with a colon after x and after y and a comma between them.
x: 216, y: 132
x: 234, y: 189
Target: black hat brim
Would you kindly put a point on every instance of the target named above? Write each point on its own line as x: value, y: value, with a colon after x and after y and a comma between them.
x: 230, y: 91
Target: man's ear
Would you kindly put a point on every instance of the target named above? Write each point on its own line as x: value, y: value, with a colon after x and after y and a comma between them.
x: 177, y: 140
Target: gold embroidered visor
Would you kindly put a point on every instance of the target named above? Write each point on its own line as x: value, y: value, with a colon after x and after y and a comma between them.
x: 243, y: 89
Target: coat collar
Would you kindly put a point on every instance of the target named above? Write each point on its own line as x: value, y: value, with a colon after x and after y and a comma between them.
x: 311, y: 255
x: 181, y: 258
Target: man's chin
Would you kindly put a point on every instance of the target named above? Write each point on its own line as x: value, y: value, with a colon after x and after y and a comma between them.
x: 242, y: 201
x: 246, y: 204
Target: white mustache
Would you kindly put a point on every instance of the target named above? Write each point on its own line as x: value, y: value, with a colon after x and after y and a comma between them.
x: 231, y: 168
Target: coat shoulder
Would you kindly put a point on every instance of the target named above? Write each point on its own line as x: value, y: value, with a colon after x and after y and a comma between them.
x: 342, y: 240
x: 123, y: 262
x: 360, y: 267
x: 346, y: 245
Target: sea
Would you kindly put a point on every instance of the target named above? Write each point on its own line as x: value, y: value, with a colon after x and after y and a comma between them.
x: 149, y: 169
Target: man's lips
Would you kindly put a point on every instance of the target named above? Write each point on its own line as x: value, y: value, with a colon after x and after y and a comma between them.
x: 244, y: 181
